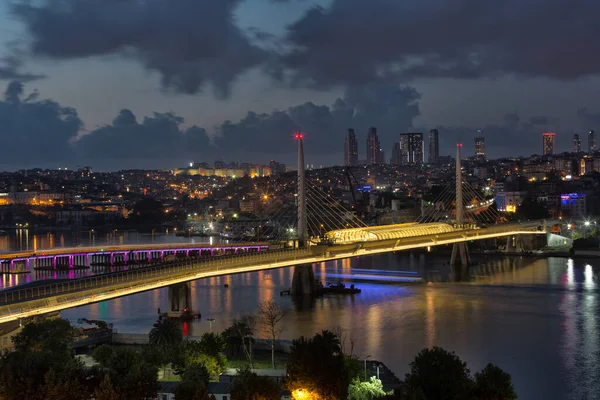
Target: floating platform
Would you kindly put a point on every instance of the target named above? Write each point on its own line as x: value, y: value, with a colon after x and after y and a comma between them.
x: 184, y: 316
x: 338, y: 290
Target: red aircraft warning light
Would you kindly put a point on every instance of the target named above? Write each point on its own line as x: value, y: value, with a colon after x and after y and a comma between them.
x: 299, y: 135
x: 458, y: 144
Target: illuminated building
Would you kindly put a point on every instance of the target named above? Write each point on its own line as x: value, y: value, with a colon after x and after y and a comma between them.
x: 592, y: 141
x: 434, y: 147
x: 480, y: 146
x: 411, y: 148
x: 548, y: 143
x: 350, y: 149
x: 573, y: 204
x: 576, y: 143
x: 509, y: 201
x: 373, y: 147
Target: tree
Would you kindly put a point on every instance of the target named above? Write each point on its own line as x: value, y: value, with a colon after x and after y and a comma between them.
x: 365, y: 390
x: 438, y: 374
x: 249, y: 386
x: 492, y: 383
x: 270, y: 315
x: 148, y: 211
x: 194, y: 382
x: 317, y: 367
x: 105, y: 390
x: 103, y: 354
x: 208, y: 352
x: 54, y: 335
x: 166, y: 335
x: 132, y: 376
x: 243, y: 331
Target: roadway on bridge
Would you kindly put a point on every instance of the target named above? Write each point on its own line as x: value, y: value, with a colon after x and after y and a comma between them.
x: 42, y: 299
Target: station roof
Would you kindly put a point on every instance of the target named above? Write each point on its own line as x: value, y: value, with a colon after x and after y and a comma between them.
x: 386, y: 232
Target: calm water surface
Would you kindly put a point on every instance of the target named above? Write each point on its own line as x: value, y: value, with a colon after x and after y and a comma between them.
x: 536, y: 318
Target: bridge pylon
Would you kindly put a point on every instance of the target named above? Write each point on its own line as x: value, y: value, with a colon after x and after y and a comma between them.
x: 460, y: 252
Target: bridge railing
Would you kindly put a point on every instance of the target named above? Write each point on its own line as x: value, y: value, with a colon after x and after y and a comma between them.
x: 37, y: 296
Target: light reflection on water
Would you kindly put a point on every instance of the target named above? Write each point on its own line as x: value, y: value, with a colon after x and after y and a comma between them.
x: 535, y: 318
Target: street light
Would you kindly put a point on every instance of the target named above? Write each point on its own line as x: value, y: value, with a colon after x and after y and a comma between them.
x: 366, y: 358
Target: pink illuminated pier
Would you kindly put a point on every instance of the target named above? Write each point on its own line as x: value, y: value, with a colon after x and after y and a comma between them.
x: 82, y: 257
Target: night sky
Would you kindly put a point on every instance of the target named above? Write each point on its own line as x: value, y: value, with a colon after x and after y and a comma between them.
x: 159, y: 83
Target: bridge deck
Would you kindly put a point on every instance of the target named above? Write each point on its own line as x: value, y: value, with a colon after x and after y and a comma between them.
x: 41, y: 299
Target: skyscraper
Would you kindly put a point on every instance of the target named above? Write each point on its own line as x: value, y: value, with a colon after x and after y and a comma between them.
x: 576, y: 143
x: 592, y: 141
x: 434, y: 147
x: 396, y: 155
x: 373, y: 147
x: 480, y: 146
x: 411, y: 148
x: 548, y: 143
x: 350, y: 149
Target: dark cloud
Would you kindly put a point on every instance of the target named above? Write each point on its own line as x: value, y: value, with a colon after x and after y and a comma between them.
x: 539, y: 120
x: 589, y: 119
x: 11, y: 66
x: 156, y: 140
x: 391, y: 108
x: 354, y: 42
x: 191, y: 43
x: 34, y: 132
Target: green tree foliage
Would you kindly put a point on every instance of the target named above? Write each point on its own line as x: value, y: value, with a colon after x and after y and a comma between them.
x: 365, y: 390
x: 41, y: 353
x: 148, y: 211
x: 239, y: 337
x: 249, y: 386
x: 318, y: 365
x: 438, y: 374
x: 194, y: 382
x: 54, y: 335
x: 208, y: 351
x: 492, y: 383
x: 530, y: 208
x: 166, y: 335
x: 103, y: 354
x: 132, y: 377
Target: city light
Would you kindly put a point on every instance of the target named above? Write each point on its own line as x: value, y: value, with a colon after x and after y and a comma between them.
x: 587, y: 223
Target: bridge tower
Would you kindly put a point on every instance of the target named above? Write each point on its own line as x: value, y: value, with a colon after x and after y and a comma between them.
x: 460, y: 252
x: 303, y: 282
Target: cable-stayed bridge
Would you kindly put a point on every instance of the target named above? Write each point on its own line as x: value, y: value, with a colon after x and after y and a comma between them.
x: 324, y: 230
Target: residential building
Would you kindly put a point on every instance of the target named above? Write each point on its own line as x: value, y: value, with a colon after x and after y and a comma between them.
x: 396, y: 155
x: 573, y: 204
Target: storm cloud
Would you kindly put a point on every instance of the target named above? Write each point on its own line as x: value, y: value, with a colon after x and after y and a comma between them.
x: 355, y: 42
x: 34, y: 132
x: 391, y: 108
x: 190, y: 43
x: 157, y: 140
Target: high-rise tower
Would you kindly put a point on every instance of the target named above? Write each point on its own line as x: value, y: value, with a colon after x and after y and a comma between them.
x: 434, y: 147
x: 480, y: 146
x: 576, y: 143
x: 592, y: 141
x: 548, y: 143
x: 350, y: 149
x: 373, y: 147
x: 411, y: 148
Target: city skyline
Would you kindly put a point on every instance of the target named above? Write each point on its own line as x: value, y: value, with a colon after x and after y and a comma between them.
x: 219, y: 92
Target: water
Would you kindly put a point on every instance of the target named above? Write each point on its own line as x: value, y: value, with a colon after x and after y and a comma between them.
x: 535, y: 318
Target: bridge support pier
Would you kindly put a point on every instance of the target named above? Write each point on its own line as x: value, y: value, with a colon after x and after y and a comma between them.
x: 514, y: 244
x: 303, y: 282
x: 460, y: 255
x: 179, y: 300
